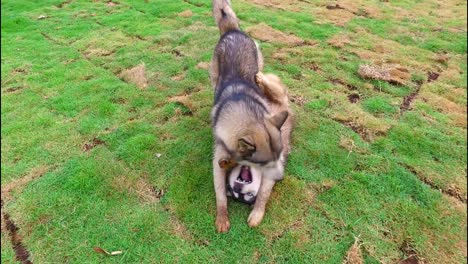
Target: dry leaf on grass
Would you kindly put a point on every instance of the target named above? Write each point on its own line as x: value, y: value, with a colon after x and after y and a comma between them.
x: 107, y: 253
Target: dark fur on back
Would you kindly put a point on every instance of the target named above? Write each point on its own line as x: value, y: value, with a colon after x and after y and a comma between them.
x: 237, y: 57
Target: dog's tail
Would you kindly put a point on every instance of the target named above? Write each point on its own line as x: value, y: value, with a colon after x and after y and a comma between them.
x: 224, y: 16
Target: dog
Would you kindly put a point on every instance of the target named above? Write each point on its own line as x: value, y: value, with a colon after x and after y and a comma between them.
x: 243, y: 126
x: 243, y: 182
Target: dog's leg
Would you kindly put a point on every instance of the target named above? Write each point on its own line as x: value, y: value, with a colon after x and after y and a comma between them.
x: 256, y: 216
x: 219, y: 179
x: 269, y: 178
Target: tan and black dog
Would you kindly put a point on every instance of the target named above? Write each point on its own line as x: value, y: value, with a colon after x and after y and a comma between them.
x: 244, y: 127
x: 243, y: 182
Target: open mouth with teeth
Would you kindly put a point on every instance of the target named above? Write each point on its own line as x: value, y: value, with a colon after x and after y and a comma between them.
x: 245, y: 175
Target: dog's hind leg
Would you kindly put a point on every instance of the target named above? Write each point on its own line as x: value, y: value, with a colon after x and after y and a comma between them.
x: 219, y: 179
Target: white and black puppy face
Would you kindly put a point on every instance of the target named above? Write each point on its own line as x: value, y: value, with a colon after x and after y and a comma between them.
x: 244, y: 183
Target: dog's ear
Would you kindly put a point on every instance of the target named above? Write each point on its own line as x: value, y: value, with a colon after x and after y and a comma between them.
x: 226, y: 164
x: 245, y: 148
x: 279, y: 119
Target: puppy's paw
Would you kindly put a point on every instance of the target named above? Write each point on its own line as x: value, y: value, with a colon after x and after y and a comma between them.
x: 255, y: 217
x: 222, y: 224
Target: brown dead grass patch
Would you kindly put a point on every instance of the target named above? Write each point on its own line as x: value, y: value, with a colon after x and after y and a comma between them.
x: 97, y: 52
x: 392, y: 73
x: 339, y: 17
x: 178, y: 77
x: 183, y: 99
x: 145, y: 192
x: 457, y: 113
x: 339, y: 40
x: 354, y: 254
x: 186, y: 13
x: 349, y: 144
x: 92, y: 144
x: 342, y: 11
x: 279, y: 4
x: 442, y: 104
x: 266, y: 33
x: 382, y: 52
x: 361, y: 122
x: 135, y: 75
x: 19, y: 183
x: 178, y: 228
x: 203, y: 65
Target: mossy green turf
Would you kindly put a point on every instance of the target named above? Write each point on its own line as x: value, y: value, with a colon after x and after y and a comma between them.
x: 61, y: 89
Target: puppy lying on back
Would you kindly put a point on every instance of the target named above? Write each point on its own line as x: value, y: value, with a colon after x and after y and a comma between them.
x: 243, y: 182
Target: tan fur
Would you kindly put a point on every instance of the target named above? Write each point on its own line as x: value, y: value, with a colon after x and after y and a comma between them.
x: 243, y: 129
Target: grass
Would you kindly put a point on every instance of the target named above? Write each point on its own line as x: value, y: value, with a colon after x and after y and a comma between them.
x: 115, y: 164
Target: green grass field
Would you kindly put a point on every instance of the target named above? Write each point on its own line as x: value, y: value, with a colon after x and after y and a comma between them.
x: 106, y: 137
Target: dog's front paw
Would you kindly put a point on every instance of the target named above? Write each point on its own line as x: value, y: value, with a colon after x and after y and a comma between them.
x: 222, y: 224
x: 255, y: 217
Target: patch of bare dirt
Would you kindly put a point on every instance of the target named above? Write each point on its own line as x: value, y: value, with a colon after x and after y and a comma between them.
x: 408, y: 100
x: 90, y: 145
x: 354, y: 98
x: 354, y: 254
x: 266, y: 33
x: 392, y: 73
x: 135, y: 75
x: 186, y: 13
x: 432, y: 76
